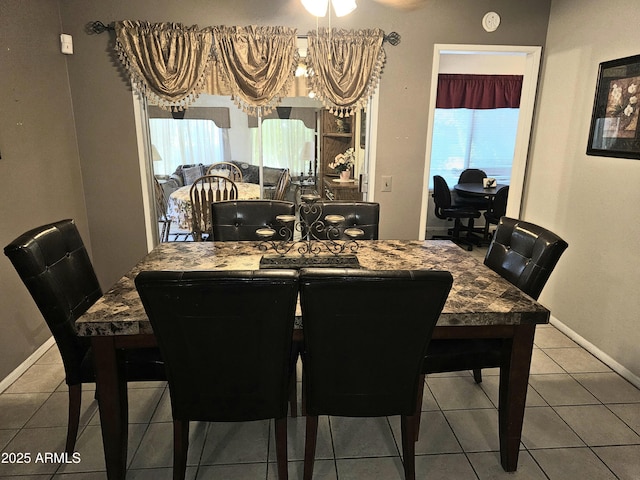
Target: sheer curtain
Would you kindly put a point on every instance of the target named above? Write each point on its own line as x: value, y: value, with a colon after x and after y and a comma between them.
x: 283, y: 144
x: 178, y: 142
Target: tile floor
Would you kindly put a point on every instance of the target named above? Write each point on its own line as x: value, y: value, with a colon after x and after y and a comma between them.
x: 582, y: 422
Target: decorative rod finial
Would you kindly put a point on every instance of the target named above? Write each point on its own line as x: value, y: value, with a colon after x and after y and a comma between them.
x: 97, y: 27
x: 393, y: 38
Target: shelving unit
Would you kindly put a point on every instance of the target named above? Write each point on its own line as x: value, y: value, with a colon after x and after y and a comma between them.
x: 333, y: 142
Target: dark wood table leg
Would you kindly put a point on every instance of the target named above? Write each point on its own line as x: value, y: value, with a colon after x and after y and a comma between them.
x: 112, y: 401
x: 514, y: 380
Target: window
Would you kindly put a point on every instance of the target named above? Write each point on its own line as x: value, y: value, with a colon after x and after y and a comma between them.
x: 466, y: 138
x: 183, y: 142
x: 283, y: 143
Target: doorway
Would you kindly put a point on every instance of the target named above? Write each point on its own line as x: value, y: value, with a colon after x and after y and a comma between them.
x: 486, y: 59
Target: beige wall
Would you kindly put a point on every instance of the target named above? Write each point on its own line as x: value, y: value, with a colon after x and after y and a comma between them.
x: 42, y: 180
x: 40, y: 167
x: 593, y: 202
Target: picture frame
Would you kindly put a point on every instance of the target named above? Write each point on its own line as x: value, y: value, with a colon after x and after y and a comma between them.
x: 615, y: 119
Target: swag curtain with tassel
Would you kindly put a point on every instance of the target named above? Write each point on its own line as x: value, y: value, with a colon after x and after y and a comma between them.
x: 172, y: 64
x: 257, y: 64
x: 345, y: 67
x: 169, y: 63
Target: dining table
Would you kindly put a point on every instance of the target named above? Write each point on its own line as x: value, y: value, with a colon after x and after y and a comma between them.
x: 477, y: 189
x: 179, y: 202
x: 481, y: 304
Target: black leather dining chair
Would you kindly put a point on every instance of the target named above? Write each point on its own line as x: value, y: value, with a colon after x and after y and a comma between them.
x: 54, y: 265
x: 523, y: 253
x: 238, y: 220
x: 445, y: 209
x: 365, y: 359
x: 362, y: 215
x: 198, y: 319
x: 497, y: 209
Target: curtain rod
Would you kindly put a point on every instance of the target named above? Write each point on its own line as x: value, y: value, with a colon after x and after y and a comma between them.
x: 97, y: 27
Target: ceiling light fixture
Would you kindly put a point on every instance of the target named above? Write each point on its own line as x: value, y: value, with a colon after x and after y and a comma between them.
x: 319, y: 8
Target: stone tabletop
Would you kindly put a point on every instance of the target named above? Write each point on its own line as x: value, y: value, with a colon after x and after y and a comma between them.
x: 479, y: 296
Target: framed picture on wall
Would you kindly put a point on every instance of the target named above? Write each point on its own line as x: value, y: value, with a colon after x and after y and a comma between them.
x: 615, y: 127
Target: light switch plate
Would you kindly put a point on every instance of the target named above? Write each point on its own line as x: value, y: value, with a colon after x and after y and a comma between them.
x: 386, y: 183
x: 66, y: 44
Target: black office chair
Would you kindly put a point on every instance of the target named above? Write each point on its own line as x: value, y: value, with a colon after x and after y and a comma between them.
x: 365, y: 360
x: 53, y: 263
x: 445, y: 209
x: 497, y: 210
x: 198, y: 319
x: 525, y: 255
x: 238, y: 220
x: 362, y: 215
x: 472, y: 175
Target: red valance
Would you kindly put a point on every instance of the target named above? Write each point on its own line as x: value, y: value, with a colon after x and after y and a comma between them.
x: 478, y: 91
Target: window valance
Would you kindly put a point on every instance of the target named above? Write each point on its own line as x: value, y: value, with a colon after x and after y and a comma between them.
x: 168, y: 62
x: 257, y: 64
x: 172, y: 64
x: 219, y: 115
x: 345, y: 67
x: 478, y: 91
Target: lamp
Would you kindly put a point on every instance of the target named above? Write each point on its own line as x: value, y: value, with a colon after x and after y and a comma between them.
x: 308, y: 155
x: 319, y: 8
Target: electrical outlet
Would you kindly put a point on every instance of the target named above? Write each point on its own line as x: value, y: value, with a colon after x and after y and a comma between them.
x: 386, y: 183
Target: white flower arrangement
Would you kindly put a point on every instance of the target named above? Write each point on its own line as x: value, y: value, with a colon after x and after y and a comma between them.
x: 344, y: 161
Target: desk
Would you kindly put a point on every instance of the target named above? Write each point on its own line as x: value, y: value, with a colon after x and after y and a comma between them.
x: 481, y: 305
x: 179, y: 203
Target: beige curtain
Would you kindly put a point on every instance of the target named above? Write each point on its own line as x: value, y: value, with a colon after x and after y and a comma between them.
x: 345, y: 67
x: 168, y: 62
x: 257, y: 64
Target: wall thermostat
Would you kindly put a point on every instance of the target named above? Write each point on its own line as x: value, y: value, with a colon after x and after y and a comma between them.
x: 491, y: 21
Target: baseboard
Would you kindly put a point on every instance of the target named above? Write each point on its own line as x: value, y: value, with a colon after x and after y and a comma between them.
x: 24, y: 366
x: 596, y: 352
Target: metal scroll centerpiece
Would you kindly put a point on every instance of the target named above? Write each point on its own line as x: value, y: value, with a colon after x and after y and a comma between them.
x: 319, y: 234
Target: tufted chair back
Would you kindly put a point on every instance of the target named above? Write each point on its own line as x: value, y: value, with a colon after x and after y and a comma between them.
x: 53, y: 263
x: 367, y: 361
x: 524, y: 254
x: 364, y: 215
x: 226, y: 340
x: 238, y: 220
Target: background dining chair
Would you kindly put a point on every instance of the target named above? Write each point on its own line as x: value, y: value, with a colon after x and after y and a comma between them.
x: 497, y: 209
x: 365, y: 359
x: 282, y: 187
x: 363, y: 215
x: 53, y: 263
x: 445, y: 209
x: 210, y: 378
x: 164, y: 222
x: 238, y: 220
x: 204, y: 191
x: 472, y: 175
x: 523, y: 253
x: 225, y: 169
